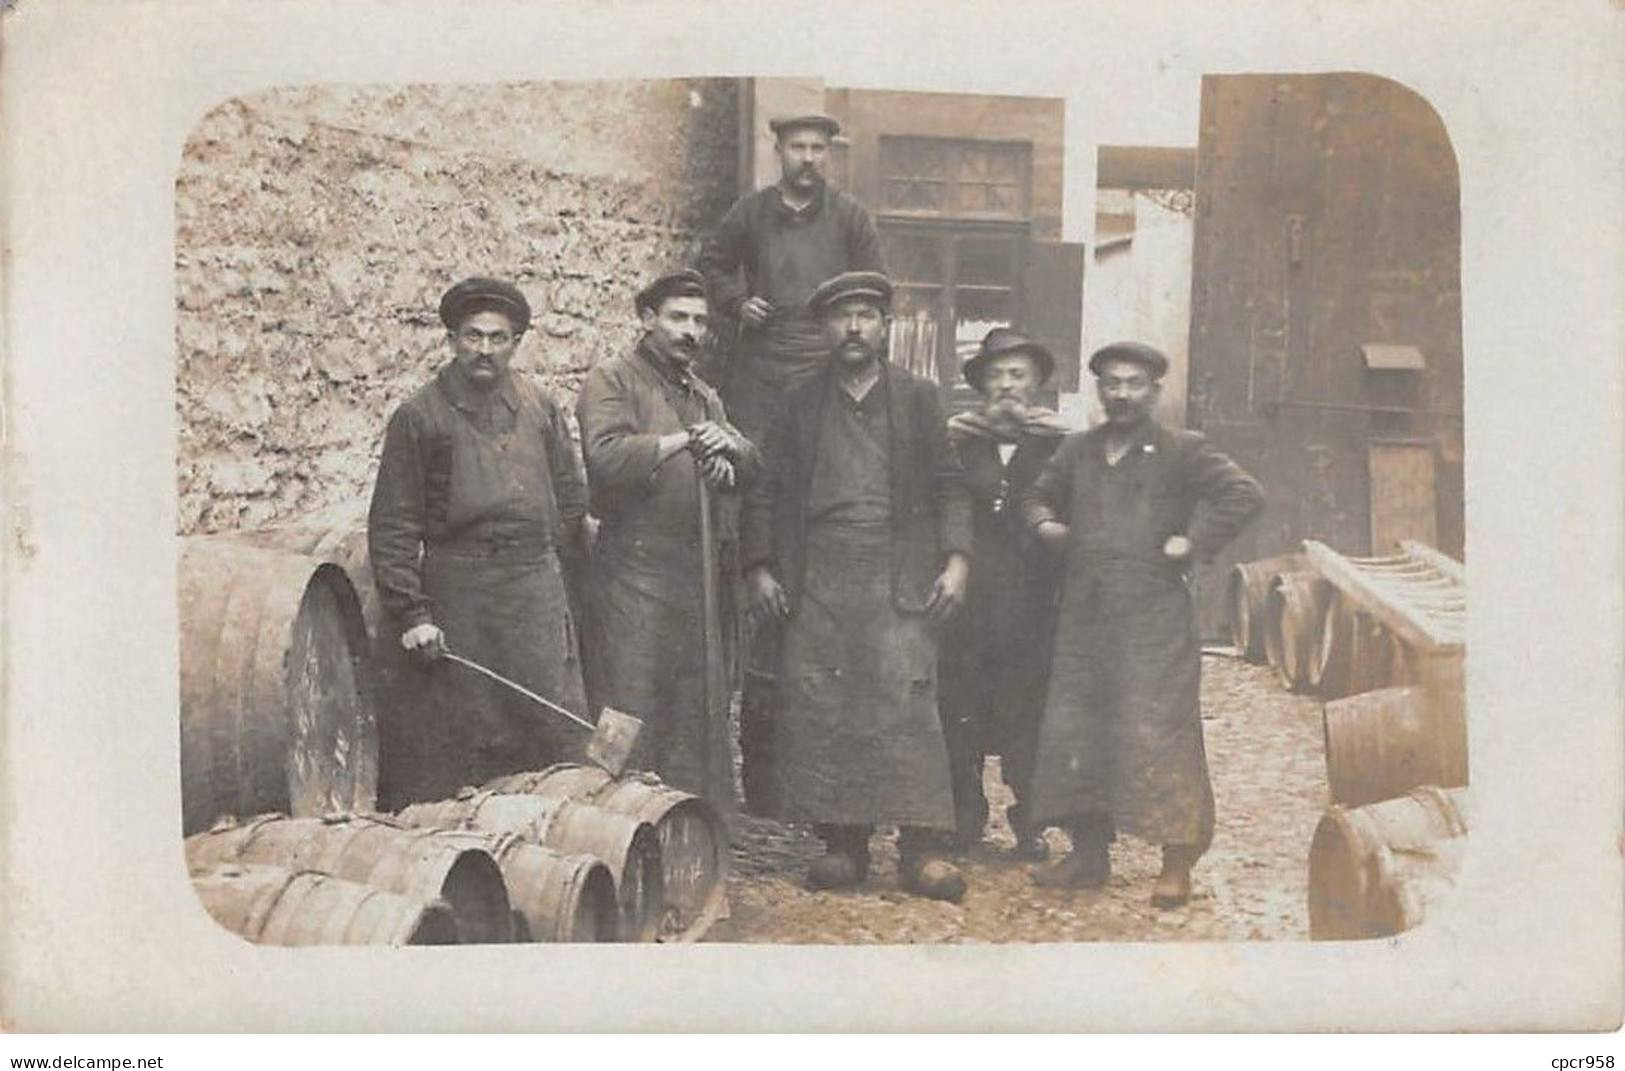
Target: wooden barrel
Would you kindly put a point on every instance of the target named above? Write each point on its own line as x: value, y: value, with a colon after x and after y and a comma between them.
x: 693, y: 841
x: 1248, y: 592
x: 1383, y: 743
x: 1292, y: 619
x: 1376, y: 871
x: 276, y: 714
x: 418, y: 863
x: 336, y: 536
x: 629, y: 846
x: 269, y: 905
x: 556, y: 898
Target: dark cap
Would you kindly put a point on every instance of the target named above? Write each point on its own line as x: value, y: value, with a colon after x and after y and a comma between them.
x: 780, y: 123
x: 684, y: 283
x: 865, y: 284
x: 1151, y: 358
x: 480, y: 294
x: 1001, y: 342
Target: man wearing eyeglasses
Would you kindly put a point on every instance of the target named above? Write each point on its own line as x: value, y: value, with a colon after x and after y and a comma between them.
x: 478, y: 504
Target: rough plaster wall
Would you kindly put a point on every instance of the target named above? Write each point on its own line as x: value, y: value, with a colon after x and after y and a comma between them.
x: 317, y: 228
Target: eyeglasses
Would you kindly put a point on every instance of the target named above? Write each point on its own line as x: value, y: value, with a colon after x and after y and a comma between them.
x: 471, y: 336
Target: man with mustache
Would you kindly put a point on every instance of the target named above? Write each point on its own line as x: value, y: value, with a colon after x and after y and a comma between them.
x: 478, y: 499
x: 771, y: 250
x: 995, y: 654
x: 858, y: 538
x: 650, y: 430
x: 1130, y: 505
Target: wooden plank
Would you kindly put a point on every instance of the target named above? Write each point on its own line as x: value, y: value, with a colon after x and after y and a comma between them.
x: 1443, y: 562
x: 1404, y: 621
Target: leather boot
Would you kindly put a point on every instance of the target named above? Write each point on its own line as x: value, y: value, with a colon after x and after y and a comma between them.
x: 922, y: 870
x: 1088, y: 865
x: 1173, y: 886
x: 845, y: 862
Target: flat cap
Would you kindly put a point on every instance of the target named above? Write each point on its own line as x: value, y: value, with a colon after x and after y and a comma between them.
x: 780, y: 123
x: 683, y: 283
x: 1151, y: 358
x: 1001, y: 342
x: 865, y: 284
x: 480, y: 294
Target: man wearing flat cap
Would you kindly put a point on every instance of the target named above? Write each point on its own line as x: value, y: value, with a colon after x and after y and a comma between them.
x: 477, y: 507
x: 995, y: 653
x: 651, y: 429
x: 1130, y: 505
x: 859, y: 539
x: 771, y: 250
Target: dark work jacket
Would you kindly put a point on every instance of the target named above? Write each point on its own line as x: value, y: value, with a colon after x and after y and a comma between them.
x: 930, y: 509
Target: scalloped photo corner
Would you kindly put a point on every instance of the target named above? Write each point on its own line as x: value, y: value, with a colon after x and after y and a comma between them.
x: 1258, y: 735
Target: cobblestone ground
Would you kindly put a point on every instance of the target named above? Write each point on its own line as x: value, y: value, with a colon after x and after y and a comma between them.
x: 1265, y: 752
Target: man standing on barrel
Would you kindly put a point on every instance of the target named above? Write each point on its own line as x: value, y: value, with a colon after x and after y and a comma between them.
x: 859, y: 540
x: 651, y: 431
x: 1131, y: 505
x: 996, y: 652
x: 771, y: 250
x: 478, y: 497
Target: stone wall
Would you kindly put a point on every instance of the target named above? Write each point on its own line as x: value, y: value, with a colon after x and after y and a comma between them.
x: 317, y: 228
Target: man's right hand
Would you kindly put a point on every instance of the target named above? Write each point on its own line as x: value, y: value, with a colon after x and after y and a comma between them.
x: 1053, y: 534
x: 755, y: 311
x: 425, y: 641
x: 767, y: 596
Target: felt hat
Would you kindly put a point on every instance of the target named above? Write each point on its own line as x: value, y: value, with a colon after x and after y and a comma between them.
x: 480, y: 294
x: 1001, y: 342
x: 683, y: 283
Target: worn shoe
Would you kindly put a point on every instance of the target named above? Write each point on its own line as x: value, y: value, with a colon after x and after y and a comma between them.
x: 1173, y: 886
x: 936, y: 879
x: 1087, y: 866
x: 836, y: 870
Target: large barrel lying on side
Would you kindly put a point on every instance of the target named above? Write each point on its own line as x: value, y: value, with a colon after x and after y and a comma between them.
x: 270, y: 905
x: 337, y: 536
x: 693, y: 843
x: 1250, y: 584
x: 1292, y: 618
x: 276, y: 714
x: 629, y: 846
x: 413, y: 862
x: 1355, y: 653
x: 1383, y: 743
x: 1376, y: 871
x: 556, y: 897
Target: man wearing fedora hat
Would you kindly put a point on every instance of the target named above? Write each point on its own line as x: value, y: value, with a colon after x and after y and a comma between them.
x: 651, y: 429
x: 858, y: 538
x: 995, y: 652
x: 1131, y: 505
x: 478, y: 498
x: 772, y: 248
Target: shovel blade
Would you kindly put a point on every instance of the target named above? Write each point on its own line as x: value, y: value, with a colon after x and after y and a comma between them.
x: 612, y: 740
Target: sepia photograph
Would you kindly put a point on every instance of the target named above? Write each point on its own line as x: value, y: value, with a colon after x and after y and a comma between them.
x: 1012, y: 522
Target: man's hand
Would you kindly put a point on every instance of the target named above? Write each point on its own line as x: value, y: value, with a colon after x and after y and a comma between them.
x: 755, y: 311
x: 1177, y: 548
x: 948, y: 593
x: 1054, y: 535
x: 717, y: 471
x: 767, y: 595
x: 708, y: 438
x: 424, y: 642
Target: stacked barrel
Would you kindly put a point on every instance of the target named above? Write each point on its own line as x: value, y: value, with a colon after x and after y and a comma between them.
x: 280, y: 768
x: 1381, y: 642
